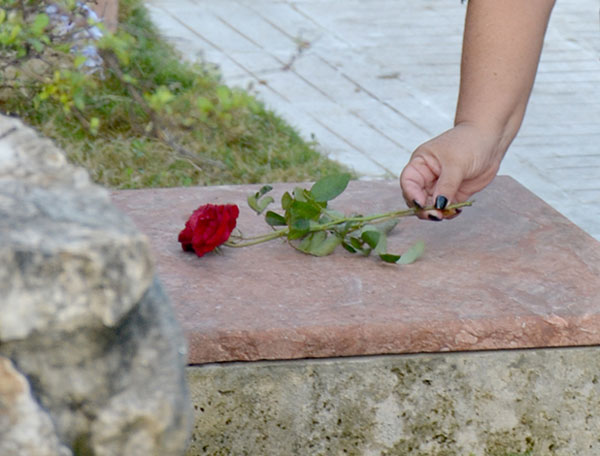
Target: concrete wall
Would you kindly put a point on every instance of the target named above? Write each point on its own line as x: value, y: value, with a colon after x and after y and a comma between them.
x: 497, y: 403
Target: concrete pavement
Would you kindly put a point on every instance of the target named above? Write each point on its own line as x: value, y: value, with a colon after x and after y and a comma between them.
x: 371, y: 80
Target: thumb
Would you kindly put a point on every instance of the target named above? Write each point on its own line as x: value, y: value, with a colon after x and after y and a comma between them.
x: 447, y: 186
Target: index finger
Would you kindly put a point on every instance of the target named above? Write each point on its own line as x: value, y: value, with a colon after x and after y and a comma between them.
x: 416, y: 180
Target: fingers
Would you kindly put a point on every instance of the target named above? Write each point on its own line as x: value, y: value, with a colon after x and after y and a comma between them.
x: 428, y: 182
x: 433, y: 178
x: 417, y: 180
x: 446, y: 189
x: 450, y: 168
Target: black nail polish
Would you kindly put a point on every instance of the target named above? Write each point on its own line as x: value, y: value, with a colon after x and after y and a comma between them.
x: 435, y: 218
x: 441, y: 202
x: 417, y: 205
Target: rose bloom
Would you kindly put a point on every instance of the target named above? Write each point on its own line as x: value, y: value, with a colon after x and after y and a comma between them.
x: 208, y: 227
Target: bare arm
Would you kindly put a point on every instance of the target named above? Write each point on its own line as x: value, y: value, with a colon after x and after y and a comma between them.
x: 501, y: 49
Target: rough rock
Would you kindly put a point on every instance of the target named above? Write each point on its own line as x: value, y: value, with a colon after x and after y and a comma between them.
x: 82, y: 316
x: 99, y: 383
x: 24, y: 427
x: 62, y: 242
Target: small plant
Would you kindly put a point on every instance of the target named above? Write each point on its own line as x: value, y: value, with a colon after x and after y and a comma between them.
x: 127, y: 108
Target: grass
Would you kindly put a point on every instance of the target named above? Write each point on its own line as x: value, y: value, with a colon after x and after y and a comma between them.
x: 193, y: 130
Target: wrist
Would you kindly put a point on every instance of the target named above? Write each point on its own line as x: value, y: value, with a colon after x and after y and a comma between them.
x: 494, y: 137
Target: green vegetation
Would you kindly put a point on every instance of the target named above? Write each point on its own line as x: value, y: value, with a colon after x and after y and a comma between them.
x: 144, y: 118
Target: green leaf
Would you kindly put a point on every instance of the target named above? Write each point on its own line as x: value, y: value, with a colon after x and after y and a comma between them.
x: 319, y: 243
x: 253, y: 202
x: 274, y: 219
x: 329, y: 216
x: 412, y: 254
x: 66, y: 48
x: 301, y: 194
x: 264, y: 190
x: 94, y: 125
x: 79, y: 100
x: 356, y: 243
x: 40, y: 23
x: 305, y: 243
x: 329, y: 187
x: 264, y: 202
x: 164, y: 95
x: 375, y: 239
x: 327, y: 246
x: 299, y: 228
x: 2, y: 15
x: 311, y: 241
x: 349, y: 248
x: 37, y: 44
x: 332, y: 214
x: 205, y: 105
x: 302, y: 210
x: 371, y: 237
x: 13, y: 34
x: 286, y: 201
x: 381, y: 246
x: 389, y: 258
x: 258, y: 204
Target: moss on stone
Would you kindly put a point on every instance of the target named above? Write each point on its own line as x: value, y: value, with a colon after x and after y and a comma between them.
x: 529, y: 403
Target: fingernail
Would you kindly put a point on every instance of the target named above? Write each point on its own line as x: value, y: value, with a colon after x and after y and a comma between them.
x: 417, y: 205
x: 441, y: 202
x: 435, y: 218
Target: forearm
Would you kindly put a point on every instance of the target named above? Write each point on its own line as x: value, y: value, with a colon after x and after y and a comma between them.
x: 502, y: 43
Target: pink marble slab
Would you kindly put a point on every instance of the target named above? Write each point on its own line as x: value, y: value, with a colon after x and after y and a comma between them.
x: 510, y: 272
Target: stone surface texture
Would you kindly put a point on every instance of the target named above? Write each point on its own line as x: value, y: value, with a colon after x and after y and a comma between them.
x: 24, y: 427
x: 509, y: 272
x: 496, y: 403
x: 62, y: 242
x: 82, y: 317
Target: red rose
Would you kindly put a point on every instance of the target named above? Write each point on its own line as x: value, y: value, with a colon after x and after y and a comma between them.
x: 208, y: 227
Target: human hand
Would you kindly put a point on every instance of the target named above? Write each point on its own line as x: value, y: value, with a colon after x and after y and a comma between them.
x: 450, y: 168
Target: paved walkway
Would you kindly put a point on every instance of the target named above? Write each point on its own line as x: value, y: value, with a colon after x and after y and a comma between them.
x: 371, y: 80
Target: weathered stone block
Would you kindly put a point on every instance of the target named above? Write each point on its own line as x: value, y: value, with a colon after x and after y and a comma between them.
x: 495, y: 403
